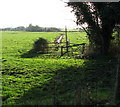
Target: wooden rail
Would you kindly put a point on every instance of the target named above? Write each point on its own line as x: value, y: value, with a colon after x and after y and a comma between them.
x: 62, y: 47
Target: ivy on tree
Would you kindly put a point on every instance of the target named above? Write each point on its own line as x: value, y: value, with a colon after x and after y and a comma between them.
x: 101, y: 18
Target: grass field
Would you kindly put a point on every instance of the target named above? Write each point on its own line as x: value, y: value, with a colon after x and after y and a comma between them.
x: 40, y: 80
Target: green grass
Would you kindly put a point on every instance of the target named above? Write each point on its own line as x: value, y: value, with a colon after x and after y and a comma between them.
x: 17, y: 44
x: 34, y: 73
x: 42, y: 80
x: 77, y: 37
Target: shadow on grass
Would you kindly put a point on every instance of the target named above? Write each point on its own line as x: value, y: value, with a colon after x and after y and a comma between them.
x: 31, y: 54
x: 60, y: 90
x: 72, y: 86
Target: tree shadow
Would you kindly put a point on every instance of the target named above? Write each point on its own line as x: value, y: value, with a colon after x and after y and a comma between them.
x: 70, y: 85
x: 31, y: 53
x: 57, y: 91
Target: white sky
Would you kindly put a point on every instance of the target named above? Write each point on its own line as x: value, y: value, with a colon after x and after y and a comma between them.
x: 44, y: 13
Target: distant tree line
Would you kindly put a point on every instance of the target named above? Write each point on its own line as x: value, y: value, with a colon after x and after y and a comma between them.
x: 20, y: 28
x: 32, y: 28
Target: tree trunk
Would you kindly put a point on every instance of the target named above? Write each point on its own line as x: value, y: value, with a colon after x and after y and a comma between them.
x: 106, y: 46
x: 107, y: 37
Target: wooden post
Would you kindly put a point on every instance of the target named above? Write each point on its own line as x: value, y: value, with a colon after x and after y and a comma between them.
x: 83, y: 48
x: 61, y: 50
x: 118, y: 34
x: 66, y: 39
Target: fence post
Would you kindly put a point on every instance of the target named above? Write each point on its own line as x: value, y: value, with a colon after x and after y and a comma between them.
x: 67, y: 46
x: 66, y: 39
x: 83, y: 48
x: 61, y: 50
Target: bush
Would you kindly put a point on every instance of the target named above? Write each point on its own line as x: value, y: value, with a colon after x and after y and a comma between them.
x: 41, y: 45
x: 114, y: 47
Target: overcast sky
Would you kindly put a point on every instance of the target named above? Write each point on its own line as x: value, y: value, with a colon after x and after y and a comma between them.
x: 45, y: 13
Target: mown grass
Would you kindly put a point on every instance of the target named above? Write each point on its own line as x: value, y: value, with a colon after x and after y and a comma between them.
x: 40, y: 80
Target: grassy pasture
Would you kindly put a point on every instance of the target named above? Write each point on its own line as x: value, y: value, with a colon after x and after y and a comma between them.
x: 18, y: 43
x: 45, y: 81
